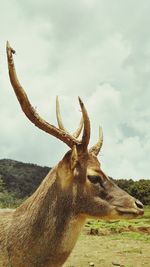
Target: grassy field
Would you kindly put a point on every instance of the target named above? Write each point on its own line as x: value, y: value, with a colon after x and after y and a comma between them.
x: 115, y: 243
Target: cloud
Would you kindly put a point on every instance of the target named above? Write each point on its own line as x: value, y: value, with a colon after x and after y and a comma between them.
x: 96, y: 49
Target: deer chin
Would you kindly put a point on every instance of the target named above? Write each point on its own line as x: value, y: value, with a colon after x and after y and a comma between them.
x: 129, y: 213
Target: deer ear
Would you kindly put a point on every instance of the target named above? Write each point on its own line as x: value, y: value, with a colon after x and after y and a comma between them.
x: 74, y: 157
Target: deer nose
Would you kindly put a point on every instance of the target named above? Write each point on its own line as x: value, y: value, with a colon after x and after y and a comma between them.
x: 139, y: 204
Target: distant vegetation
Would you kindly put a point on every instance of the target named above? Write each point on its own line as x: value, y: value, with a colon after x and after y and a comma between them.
x: 19, y: 180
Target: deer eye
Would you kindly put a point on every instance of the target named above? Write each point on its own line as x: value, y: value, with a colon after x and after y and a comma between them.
x: 94, y: 179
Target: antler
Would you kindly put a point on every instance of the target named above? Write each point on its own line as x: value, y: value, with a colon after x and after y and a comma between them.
x: 60, y: 123
x: 35, y: 118
x: 97, y: 147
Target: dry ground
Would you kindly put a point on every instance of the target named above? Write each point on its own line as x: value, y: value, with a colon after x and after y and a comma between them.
x: 109, y: 251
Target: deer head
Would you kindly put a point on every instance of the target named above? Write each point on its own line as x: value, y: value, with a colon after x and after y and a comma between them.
x: 76, y: 188
x: 80, y: 171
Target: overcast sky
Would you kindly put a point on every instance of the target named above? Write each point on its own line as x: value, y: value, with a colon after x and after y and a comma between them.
x: 97, y: 49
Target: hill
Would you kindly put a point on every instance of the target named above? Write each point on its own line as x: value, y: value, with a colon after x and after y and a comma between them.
x: 21, y: 178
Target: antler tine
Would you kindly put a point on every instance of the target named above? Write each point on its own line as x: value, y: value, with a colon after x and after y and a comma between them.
x: 97, y: 147
x: 58, y: 115
x: 86, y: 131
x: 29, y: 111
x: 60, y: 123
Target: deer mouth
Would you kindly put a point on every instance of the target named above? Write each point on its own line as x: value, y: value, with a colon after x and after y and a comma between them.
x: 130, y: 212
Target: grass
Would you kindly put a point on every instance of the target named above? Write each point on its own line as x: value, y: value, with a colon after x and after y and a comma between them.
x: 132, y: 236
x: 133, y: 250
x: 147, y: 213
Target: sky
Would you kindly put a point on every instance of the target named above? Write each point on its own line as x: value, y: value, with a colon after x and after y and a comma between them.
x: 96, y: 49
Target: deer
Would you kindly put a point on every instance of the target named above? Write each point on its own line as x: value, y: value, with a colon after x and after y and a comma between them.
x: 43, y: 230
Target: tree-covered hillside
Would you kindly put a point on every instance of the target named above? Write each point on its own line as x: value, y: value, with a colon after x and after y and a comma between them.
x: 19, y: 180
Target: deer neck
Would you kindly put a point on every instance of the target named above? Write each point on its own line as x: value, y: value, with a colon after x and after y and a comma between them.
x: 46, y: 224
